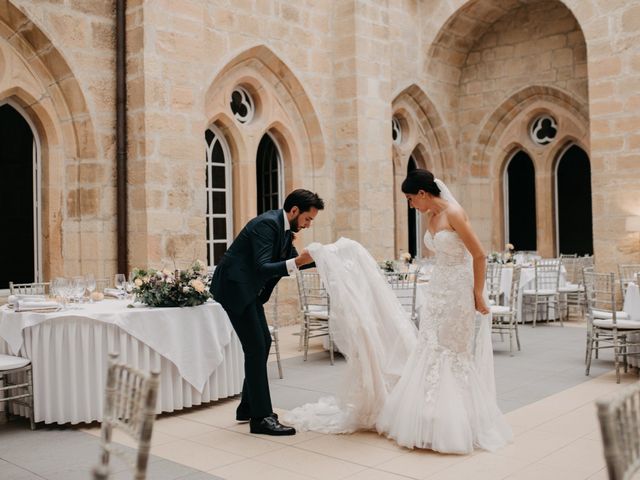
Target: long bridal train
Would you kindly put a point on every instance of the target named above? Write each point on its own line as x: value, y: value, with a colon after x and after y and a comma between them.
x: 434, y: 389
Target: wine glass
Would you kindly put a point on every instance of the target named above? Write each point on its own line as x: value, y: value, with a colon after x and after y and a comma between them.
x: 91, y: 285
x: 78, y: 286
x: 131, y: 283
x: 120, y: 282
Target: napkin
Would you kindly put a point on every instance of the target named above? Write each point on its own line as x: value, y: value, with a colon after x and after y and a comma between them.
x: 113, y: 292
x: 13, y: 299
x: 26, y: 305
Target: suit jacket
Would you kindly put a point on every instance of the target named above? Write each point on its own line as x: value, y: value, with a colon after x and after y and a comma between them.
x: 253, y: 264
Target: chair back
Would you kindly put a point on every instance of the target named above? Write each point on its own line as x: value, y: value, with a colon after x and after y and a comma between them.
x: 571, y: 264
x: 492, y: 280
x: 515, y: 286
x: 404, y: 286
x: 547, y: 273
x: 600, y: 293
x: 620, y: 427
x: 311, y: 291
x: 627, y: 274
x: 130, y: 405
x: 34, y: 288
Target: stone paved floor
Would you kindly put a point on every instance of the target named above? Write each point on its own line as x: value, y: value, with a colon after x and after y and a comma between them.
x: 548, y: 401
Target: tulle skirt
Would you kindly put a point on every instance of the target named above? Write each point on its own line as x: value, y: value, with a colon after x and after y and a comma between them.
x: 441, y: 403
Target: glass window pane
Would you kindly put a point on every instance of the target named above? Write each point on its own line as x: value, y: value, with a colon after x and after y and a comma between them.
x: 209, y: 136
x: 218, y: 251
x: 217, y: 155
x: 218, y: 179
x: 219, y: 202
x: 220, y: 228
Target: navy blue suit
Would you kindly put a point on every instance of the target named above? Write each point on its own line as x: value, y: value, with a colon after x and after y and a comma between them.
x: 242, y: 282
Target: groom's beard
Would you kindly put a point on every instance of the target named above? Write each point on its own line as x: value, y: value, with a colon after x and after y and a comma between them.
x: 293, y: 224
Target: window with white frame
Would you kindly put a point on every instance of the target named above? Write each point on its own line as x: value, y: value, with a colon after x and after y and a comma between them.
x: 20, y: 198
x: 269, y: 175
x: 219, y: 213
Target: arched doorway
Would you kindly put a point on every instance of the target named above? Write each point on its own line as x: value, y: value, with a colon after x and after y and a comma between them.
x: 413, y: 219
x: 219, y: 213
x: 520, y: 202
x: 574, y: 219
x: 20, y: 244
x: 269, y: 175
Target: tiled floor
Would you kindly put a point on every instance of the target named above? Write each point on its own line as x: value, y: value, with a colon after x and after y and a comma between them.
x: 550, y: 405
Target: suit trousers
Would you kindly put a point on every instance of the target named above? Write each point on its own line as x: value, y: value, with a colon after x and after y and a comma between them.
x: 253, y: 332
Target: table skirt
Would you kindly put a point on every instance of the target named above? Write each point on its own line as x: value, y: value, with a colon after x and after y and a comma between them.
x: 69, y: 361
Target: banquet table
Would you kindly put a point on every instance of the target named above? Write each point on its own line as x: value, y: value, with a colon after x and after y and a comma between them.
x: 195, y: 350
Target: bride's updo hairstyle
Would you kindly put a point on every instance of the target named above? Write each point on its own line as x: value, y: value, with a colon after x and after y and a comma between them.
x: 420, y: 179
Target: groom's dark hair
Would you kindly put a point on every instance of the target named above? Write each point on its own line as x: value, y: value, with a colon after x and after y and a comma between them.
x: 304, y: 200
x: 420, y: 179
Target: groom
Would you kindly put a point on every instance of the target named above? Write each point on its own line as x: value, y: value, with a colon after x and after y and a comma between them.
x: 243, y: 280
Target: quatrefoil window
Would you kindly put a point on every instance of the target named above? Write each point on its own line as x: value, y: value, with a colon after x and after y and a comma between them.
x: 242, y: 105
x: 396, y: 130
x: 543, y: 130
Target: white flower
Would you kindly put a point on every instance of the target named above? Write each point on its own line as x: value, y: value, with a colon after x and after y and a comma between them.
x: 509, y: 246
x: 197, y: 285
x: 138, y: 282
x: 186, y: 289
x: 406, y: 256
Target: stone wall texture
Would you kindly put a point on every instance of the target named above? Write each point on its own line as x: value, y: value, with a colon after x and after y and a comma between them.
x: 465, y: 78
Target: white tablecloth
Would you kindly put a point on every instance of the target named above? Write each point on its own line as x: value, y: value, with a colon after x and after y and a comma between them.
x: 195, y: 349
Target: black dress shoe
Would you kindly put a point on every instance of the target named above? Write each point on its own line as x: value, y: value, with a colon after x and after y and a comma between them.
x: 246, y: 418
x: 269, y: 426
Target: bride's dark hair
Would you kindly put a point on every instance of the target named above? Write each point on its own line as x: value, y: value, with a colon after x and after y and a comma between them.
x: 420, y: 179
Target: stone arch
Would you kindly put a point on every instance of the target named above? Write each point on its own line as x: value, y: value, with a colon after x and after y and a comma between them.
x: 35, y: 75
x: 506, y: 131
x: 426, y: 128
x: 48, y: 65
x: 283, y: 108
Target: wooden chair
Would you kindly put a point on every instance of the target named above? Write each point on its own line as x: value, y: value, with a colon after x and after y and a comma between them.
x: 130, y: 405
x: 619, y: 416
x: 16, y: 383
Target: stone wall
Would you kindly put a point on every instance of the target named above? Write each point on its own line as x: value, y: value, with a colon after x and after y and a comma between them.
x: 466, y: 74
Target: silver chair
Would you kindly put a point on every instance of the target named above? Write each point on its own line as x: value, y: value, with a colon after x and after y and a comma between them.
x: 130, y: 405
x: 34, y: 288
x: 607, y: 327
x: 619, y: 417
x: 273, y: 329
x: 505, y: 317
x: 571, y: 293
x: 627, y: 274
x: 545, y: 292
x: 493, y: 277
x: 404, y: 286
x: 16, y: 383
x: 315, y: 308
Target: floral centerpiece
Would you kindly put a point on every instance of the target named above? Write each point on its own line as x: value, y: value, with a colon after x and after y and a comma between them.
x: 401, y: 265
x: 164, y: 288
x: 508, y: 253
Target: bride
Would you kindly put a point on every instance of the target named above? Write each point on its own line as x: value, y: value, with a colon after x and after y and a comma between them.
x: 435, y: 391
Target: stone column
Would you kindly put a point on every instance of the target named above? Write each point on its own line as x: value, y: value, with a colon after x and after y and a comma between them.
x: 364, y: 169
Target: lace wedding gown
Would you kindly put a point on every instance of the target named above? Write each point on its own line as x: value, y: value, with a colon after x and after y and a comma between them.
x: 431, y: 390
x: 445, y: 399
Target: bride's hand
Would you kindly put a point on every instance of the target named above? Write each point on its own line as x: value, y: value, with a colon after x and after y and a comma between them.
x: 481, y: 306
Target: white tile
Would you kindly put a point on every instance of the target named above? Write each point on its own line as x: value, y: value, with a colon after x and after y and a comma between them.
x: 340, y: 446
x: 309, y: 463
x: 195, y: 455
x: 238, y: 443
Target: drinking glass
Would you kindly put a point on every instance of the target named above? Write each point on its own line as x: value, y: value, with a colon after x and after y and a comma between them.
x: 120, y: 282
x: 78, y: 286
x: 91, y: 284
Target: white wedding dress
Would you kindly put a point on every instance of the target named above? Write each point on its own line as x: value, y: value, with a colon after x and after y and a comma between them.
x: 435, y: 391
x: 445, y: 399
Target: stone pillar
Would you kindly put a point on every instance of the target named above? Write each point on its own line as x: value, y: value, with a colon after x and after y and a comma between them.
x: 364, y: 169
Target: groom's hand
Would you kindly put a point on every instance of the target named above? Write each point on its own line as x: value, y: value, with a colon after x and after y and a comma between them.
x: 304, y: 258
